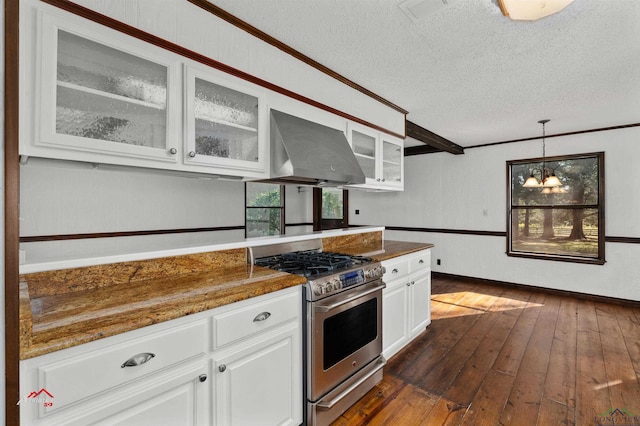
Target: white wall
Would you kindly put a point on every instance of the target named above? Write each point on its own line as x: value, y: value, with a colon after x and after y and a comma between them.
x: 445, y: 191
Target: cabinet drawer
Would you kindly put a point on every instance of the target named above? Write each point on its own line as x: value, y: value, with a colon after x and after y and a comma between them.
x: 86, y: 375
x: 239, y: 323
x: 395, y: 269
x: 420, y: 262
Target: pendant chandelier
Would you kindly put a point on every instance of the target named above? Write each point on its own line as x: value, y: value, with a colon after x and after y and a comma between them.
x: 548, y: 180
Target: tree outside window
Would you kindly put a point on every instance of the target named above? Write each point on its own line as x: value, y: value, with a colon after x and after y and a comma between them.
x: 264, y: 209
x: 560, y: 223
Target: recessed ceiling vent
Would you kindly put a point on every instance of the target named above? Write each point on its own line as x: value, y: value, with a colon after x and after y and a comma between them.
x: 418, y: 9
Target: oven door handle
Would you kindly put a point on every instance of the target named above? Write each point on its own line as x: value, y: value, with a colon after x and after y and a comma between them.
x: 329, y: 404
x: 327, y: 308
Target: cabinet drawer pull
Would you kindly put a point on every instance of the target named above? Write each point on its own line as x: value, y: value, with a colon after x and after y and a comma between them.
x: 395, y: 271
x: 262, y: 316
x: 421, y: 261
x: 138, y: 359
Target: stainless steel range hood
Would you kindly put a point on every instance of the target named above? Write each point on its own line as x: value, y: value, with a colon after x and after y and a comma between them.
x: 308, y: 153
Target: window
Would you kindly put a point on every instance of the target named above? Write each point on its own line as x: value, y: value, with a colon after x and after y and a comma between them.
x: 561, y: 223
x: 330, y: 208
x: 264, y: 210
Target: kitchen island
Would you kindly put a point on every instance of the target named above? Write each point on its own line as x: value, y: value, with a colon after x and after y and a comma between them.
x: 190, y: 309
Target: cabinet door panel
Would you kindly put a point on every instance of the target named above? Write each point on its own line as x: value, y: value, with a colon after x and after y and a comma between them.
x: 98, y: 97
x: 421, y: 301
x: 224, y: 123
x: 261, y: 384
x: 394, y: 318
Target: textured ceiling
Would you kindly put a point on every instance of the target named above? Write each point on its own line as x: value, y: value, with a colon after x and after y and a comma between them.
x: 465, y: 71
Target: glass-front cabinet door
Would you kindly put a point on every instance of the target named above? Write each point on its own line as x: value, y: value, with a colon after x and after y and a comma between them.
x: 224, y: 123
x: 100, y: 96
x: 392, y: 161
x: 364, y: 145
x: 380, y: 156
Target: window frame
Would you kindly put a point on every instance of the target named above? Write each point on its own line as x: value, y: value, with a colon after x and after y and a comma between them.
x: 281, y: 208
x: 600, y: 207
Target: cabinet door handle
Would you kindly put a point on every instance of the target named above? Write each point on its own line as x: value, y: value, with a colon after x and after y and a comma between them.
x: 192, y: 154
x: 395, y: 271
x: 262, y: 316
x: 173, y: 151
x: 222, y: 368
x: 202, y: 378
x: 138, y: 359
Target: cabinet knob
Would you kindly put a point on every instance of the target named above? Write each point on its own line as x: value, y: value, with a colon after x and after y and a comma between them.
x: 408, y: 284
x: 202, y: 378
x: 262, y: 316
x: 173, y: 151
x: 413, y: 282
x: 222, y: 368
x: 138, y: 359
x: 192, y: 154
x: 383, y: 179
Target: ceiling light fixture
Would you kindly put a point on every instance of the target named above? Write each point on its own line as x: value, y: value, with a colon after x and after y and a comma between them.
x: 530, y: 10
x: 546, y: 181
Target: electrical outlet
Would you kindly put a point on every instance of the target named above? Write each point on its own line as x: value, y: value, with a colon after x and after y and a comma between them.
x: 438, y: 262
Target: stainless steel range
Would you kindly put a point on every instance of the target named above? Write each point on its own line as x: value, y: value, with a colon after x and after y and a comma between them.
x: 344, y: 323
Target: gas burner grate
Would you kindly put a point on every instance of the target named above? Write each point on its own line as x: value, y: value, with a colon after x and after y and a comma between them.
x: 311, y: 262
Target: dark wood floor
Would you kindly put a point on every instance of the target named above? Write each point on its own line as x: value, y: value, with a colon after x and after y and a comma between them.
x: 497, y: 355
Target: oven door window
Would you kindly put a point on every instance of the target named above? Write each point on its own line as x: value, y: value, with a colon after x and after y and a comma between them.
x: 348, y: 331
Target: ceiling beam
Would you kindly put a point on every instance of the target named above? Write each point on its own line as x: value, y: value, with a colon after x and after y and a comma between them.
x: 419, y: 150
x: 436, y: 141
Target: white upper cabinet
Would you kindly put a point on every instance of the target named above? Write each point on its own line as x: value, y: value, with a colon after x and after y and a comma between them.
x: 224, y: 123
x: 99, y: 94
x: 380, y: 156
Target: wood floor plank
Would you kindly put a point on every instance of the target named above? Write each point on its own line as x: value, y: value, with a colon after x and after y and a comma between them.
x: 528, y: 387
x: 468, y: 381
x: 560, y: 380
x: 624, y: 390
x: 503, y: 355
x: 510, y: 356
x: 373, y: 402
x: 439, y: 379
x: 489, y: 401
x: 592, y: 392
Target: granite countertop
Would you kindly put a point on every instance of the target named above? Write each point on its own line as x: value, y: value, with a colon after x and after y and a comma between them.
x: 65, y: 308
x: 384, y: 250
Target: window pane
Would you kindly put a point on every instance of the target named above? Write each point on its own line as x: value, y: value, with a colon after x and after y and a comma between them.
x: 263, y: 195
x: 567, y: 232
x: 263, y: 221
x: 579, y: 178
x: 332, y: 203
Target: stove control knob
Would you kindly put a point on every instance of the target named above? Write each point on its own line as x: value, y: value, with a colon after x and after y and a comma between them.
x: 336, y: 284
x: 319, y: 289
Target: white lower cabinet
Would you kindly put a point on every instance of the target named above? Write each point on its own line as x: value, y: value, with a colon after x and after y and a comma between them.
x: 406, y: 300
x: 174, y: 373
x: 258, y: 383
